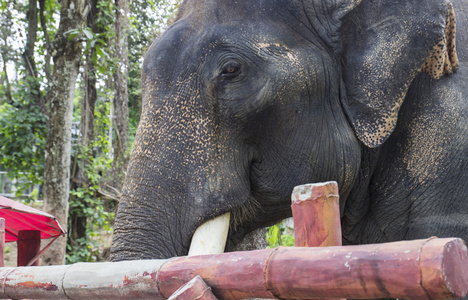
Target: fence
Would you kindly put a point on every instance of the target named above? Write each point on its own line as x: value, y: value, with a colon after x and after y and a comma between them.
x: 422, y: 269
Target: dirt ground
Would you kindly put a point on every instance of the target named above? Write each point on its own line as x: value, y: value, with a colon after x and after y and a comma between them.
x: 10, y: 255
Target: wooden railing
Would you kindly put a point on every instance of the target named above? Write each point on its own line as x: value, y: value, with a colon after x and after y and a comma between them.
x: 430, y: 268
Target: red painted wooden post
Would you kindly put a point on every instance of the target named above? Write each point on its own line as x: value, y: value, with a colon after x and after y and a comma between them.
x: 194, y: 289
x: 29, y: 245
x: 316, y: 213
x: 2, y: 242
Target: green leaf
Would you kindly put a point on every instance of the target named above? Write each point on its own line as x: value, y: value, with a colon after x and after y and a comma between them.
x: 99, y: 51
x: 275, y: 236
x: 88, y: 33
x: 287, y: 240
x: 272, y: 236
x: 72, y: 33
x: 72, y: 36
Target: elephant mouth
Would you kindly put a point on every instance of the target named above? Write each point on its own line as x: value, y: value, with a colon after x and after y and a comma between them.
x: 211, y: 236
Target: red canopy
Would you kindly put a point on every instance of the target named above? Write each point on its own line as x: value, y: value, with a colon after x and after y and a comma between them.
x: 22, y: 217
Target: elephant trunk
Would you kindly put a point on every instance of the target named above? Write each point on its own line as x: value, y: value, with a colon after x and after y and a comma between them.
x: 157, y: 220
x: 141, y: 225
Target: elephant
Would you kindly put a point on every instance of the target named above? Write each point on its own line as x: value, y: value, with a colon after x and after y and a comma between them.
x: 244, y: 100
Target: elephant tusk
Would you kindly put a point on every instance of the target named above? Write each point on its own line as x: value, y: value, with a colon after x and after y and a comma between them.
x: 211, y: 236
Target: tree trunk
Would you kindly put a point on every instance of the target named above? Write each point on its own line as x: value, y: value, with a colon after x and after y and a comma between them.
x: 28, y: 54
x: 31, y: 36
x: 46, y: 38
x: 61, y: 92
x: 6, y: 23
x: 120, y: 117
x: 5, y: 80
x: 77, y: 221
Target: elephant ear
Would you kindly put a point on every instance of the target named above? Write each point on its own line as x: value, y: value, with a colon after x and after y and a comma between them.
x: 444, y: 59
x: 384, y: 46
x: 326, y: 18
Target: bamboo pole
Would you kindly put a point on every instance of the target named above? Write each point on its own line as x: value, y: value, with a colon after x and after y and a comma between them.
x: 390, y: 270
x: 421, y: 269
x: 316, y: 213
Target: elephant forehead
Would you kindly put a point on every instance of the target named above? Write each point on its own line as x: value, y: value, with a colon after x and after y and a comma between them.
x: 226, y: 12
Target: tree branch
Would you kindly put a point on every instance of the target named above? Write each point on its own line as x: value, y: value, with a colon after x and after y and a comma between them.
x: 47, y: 38
x: 7, y: 81
x: 109, y: 196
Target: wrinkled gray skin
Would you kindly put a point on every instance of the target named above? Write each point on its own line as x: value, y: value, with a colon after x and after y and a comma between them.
x: 243, y: 100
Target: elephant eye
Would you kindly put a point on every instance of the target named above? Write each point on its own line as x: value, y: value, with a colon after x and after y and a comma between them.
x: 230, y: 70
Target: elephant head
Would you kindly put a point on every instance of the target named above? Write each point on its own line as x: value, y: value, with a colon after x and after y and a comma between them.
x: 243, y: 100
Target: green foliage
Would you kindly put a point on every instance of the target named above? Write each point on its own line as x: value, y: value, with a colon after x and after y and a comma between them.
x: 23, y: 134
x: 87, y: 203
x: 100, y: 41
x: 51, y: 15
x: 96, y: 41
x: 84, y: 250
x: 276, y: 236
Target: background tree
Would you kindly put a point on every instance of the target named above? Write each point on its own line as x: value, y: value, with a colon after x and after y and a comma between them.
x: 6, y: 26
x: 66, y: 53
x: 91, y: 160
x: 28, y: 55
x: 120, y: 103
x: 83, y: 156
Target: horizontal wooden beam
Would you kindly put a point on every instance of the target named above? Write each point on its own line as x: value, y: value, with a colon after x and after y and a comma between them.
x: 421, y: 269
